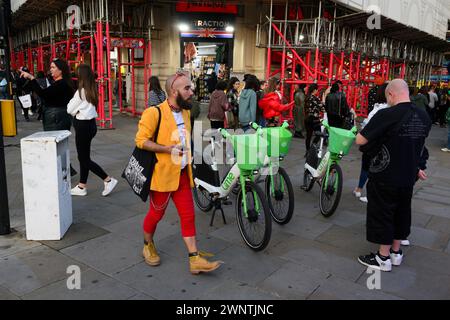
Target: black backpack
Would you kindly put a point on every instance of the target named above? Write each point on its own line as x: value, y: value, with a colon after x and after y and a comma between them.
x: 339, y: 108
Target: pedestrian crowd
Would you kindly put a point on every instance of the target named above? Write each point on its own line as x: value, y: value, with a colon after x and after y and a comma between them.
x: 392, y: 141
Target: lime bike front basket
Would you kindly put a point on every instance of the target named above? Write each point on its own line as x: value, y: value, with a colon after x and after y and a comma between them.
x: 341, y: 140
x: 250, y: 151
x: 278, y: 141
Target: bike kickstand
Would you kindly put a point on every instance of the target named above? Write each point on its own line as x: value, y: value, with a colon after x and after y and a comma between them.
x: 218, y: 206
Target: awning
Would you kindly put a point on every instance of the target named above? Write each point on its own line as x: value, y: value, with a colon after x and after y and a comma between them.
x: 397, y: 31
x: 32, y: 12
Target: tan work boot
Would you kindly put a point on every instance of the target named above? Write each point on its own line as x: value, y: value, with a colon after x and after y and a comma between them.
x: 151, y: 255
x: 199, y: 264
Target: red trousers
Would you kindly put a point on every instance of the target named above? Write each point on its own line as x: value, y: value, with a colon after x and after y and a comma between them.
x: 183, y: 201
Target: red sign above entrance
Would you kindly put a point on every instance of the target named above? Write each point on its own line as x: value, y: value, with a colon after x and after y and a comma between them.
x: 206, y: 6
x: 127, y: 43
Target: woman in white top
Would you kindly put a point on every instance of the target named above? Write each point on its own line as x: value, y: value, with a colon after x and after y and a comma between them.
x: 83, y: 108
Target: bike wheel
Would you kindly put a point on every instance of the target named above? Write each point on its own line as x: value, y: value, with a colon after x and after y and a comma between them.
x: 202, y: 199
x: 330, y: 193
x: 281, y: 201
x: 308, y: 181
x: 256, y: 228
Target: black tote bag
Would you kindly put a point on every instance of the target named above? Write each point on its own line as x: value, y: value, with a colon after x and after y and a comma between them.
x: 139, y: 170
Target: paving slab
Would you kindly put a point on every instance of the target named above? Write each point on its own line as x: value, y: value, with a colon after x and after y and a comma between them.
x: 426, y: 260
x: 94, y: 286
x: 294, y: 281
x: 412, y: 284
x: 340, y: 289
x: 14, y: 243
x: 131, y: 229
x: 232, y: 290
x: 34, y: 268
x: 170, y: 280
x: 306, y: 227
x: 320, y: 256
x: 108, y: 254
x: 439, y: 224
x: 352, y: 240
x: 77, y: 233
x: 246, y: 266
x: 5, y: 294
x: 428, y: 238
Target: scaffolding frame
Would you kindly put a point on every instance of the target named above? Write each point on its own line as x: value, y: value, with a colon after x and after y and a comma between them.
x: 93, y: 37
x: 326, y: 51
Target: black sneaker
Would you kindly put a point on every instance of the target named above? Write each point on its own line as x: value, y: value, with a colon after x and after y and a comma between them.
x: 374, y: 261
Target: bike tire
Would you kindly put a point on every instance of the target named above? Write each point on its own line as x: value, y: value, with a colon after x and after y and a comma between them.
x: 263, y: 216
x: 281, y: 217
x: 325, y: 210
x: 204, y: 206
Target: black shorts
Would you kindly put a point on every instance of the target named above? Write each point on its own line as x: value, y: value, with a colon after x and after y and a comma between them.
x: 388, y: 213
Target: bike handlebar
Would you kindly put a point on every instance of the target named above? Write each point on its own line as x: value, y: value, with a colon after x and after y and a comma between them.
x: 225, y: 133
x: 255, y: 126
x: 326, y: 125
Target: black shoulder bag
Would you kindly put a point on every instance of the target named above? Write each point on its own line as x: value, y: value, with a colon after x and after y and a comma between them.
x: 139, y: 170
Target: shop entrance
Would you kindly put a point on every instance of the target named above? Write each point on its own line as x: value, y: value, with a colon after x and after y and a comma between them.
x: 207, y: 60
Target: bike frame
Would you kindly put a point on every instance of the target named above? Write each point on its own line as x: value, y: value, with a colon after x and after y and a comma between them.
x: 333, y: 158
x: 269, y: 162
x: 234, y: 175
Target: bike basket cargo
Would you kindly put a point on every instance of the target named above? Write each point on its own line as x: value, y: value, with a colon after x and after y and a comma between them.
x: 250, y: 151
x: 340, y: 140
x: 278, y: 141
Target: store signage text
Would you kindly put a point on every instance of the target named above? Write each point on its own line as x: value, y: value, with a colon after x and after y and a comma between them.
x: 206, y: 6
x: 211, y: 24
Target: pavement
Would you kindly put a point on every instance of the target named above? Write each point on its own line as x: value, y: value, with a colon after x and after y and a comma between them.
x: 310, y: 258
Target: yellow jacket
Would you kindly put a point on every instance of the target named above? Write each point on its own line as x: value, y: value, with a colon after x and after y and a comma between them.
x: 166, y: 175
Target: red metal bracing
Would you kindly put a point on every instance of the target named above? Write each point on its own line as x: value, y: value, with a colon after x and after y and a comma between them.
x: 357, y: 73
x: 324, y: 68
x: 132, y: 66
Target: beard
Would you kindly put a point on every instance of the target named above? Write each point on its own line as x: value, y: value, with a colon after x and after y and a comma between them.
x: 184, y: 104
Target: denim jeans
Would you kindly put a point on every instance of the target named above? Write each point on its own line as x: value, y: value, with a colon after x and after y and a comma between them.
x: 3, y: 92
x: 448, y: 138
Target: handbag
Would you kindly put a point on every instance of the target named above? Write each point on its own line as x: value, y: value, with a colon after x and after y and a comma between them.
x: 26, y: 102
x: 139, y: 170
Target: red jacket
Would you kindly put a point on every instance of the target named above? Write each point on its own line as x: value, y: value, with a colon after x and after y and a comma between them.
x: 271, y: 105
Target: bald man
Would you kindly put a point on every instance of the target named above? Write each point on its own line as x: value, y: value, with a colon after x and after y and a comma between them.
x: 394, y: 140
x: 172, y: 174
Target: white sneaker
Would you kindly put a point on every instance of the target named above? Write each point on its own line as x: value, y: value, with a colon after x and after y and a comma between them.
x: 396, y: 258
x: 77, y: 191
x: 363, y: 199
x: 405, y: 243
x: 445, y: 150
x: 357, y: 194
x: 30, y: 113
x: 109, y: 186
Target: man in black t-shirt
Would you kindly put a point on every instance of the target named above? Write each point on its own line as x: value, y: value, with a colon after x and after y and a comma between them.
x: 395, y: 141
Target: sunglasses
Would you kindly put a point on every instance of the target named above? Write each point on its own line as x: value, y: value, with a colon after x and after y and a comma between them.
x: 179, y: 74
